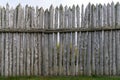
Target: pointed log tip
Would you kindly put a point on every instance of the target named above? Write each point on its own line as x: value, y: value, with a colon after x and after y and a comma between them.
x: 26, y: 6
x: 117, y: 3
x: 56, y: 8
x: 66, y: 7
x: 7, y: 5
x: 61, y: 7
x: 41, y: 8
x: 46, y: 10
x: 69, y: 8
x: 77, y: 6
x: 108, y: 4
x: 89, y: 3
x: 51, y: 6
x: 73, y: 6
x: 93, y: 5
x: 112, y: 3
x: 82, y: 6
x: 36, y: 7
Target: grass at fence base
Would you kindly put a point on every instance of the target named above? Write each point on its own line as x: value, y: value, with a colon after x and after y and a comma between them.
x: 62, y: 78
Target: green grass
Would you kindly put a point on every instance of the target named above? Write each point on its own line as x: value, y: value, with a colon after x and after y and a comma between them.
x: 62, y: 78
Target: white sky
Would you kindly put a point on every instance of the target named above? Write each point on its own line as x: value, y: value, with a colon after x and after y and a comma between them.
x: 47, y: 3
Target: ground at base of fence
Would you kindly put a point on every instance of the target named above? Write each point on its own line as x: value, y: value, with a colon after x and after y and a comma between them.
x: 62, y: 78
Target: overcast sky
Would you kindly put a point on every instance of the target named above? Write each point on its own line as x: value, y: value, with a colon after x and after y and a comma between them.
x: 47, y: 3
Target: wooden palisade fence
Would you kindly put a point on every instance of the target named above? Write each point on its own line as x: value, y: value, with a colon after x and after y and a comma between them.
x: 60, y: 41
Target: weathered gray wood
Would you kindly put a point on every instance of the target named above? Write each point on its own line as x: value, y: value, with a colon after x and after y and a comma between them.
x: 82, y: 15
x: 70, y: 42
x: 55, y: 54
x: 41, y: 13
x: 65, y: 43
x: 14, y: 45
x: 45, y: 54
x: 28, y: 54
x: 92, y: 41
x: 35, y: 55
x: 2, y: 62
x: 21, y: 54
x: 101, y: 39
x: 0, y: 17
x: 76, y: 40
x: 39, y: 53
x: 57, y: 42
x: 61, y: 25
x: 32, y: 54
x: 73, y: 42
x: 3, y: 36
x: 118, y: 52
x: 114, y: 37
x: 51, y: 43
x: 0, y: 54
x: 88, y: 56
x: 6, y: 54
x: 106, y: 56
x: 117, y: 22
x: 6, y: 39
x: 17, y: 53
x: 109, y: 15
x: 97, y: 42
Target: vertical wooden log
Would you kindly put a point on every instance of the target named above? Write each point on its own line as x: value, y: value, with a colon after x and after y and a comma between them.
x: 26, y: 26
x: 0, y: 17
x: 55, y: 54
x: 81, y: 50
x: 57, y: 43
x: 88, y: 65
x: 21, y: 58
x: 45, y: 54
x: 61, y: 35
x: 2, y: 62
x: 97, y: 41
x: 32, y: 40
x: 70, y: 41
x: 39, y: 53
x: 65, y: 24
x: 77, y: 40
x: 73, y: 42
x: 35, y: 55
x: 93, y: 10
x: 14, y: 45
x: 6, y: 21
x: 85, y: 39
x: 109, y: 15
x: 51, y: 43
x: 68, y: 44
x: 1, y: 54
x: 21, y: 54
x: 3, y: 43
x: 18, y: 24
x: 24, y: 54
x: 17, y: 52
x: 101, y: 39
x: 105, y: 43
x: 94, y: 42
x: 114, y: 37
x: 11, y: 14
x: 6, y: 55
x: 117, y: 22
x: 32, y: 55
x: 28, y: 53
x: 41, y: 19
x: 34, y: 15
